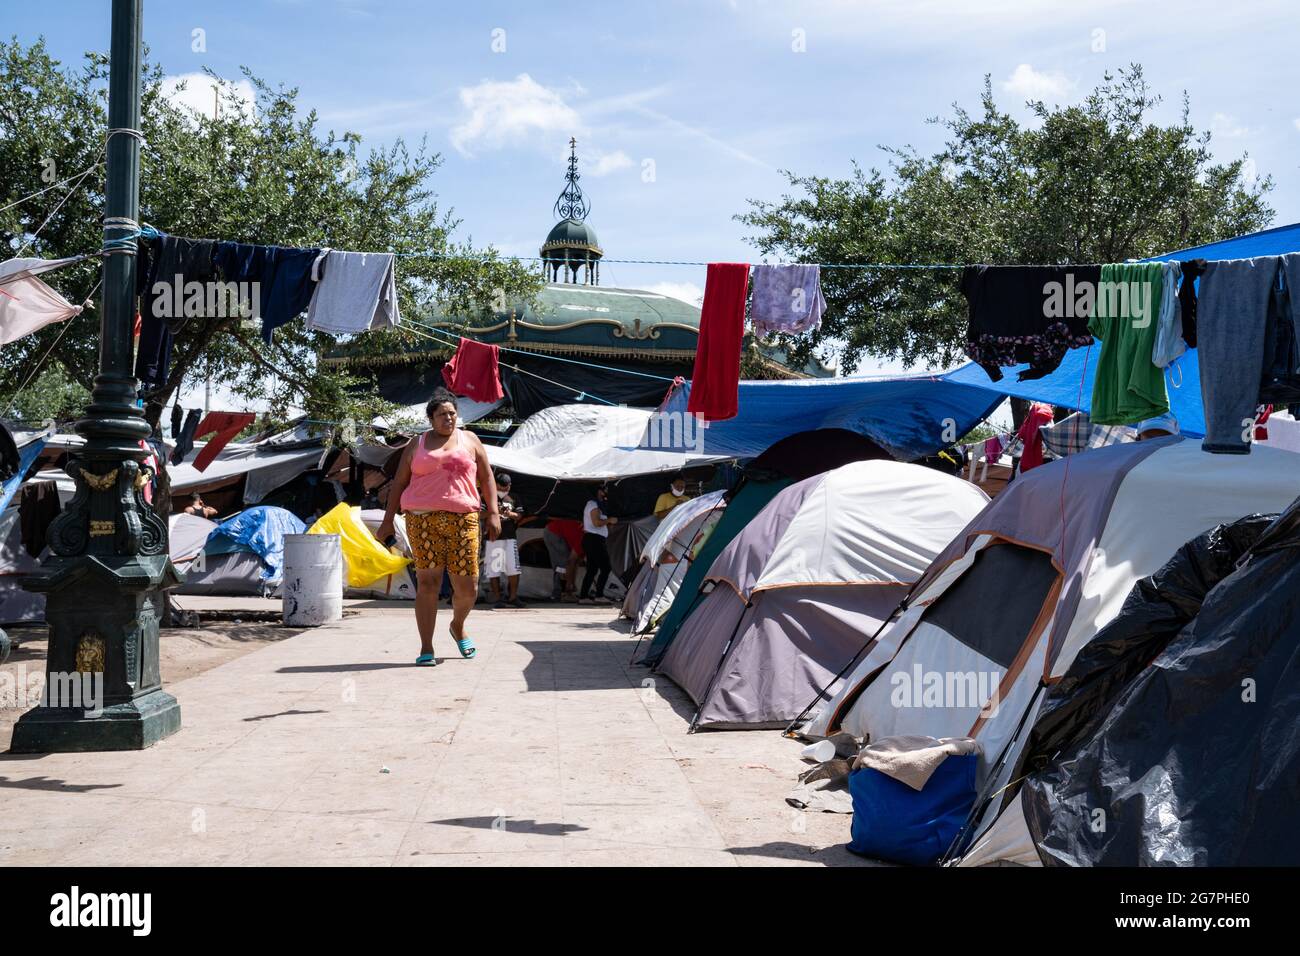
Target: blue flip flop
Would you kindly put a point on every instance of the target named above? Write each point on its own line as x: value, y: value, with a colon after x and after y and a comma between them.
x: 425, y: 660
x: 466, y: 646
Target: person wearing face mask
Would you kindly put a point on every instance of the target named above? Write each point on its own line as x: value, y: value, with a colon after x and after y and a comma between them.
x: 595, y: 538
x: 671, y: 498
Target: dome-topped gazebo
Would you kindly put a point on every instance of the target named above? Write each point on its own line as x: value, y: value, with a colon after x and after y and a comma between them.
x: 571, y: 247
x: 599, y: 333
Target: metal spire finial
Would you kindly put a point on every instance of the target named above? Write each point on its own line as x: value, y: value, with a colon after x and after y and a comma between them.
x: 572, y: 204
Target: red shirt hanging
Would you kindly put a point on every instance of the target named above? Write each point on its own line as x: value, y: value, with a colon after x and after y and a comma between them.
x: 473, y: 372
x: 715, y: 383
x: 226, y: 425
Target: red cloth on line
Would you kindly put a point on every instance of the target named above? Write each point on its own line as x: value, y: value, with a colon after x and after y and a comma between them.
x: 715, y: 382
x: 226, y: 425
x: 1039, y: 415
x: 473, y: 372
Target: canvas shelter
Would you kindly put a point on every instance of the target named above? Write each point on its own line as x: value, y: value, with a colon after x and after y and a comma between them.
x: 824, y: 563
x: 744, y: 501
x: 593, y: 443
x: 243, y: 554
x: 664, y: 558
x: 1151, y: 725
x: 1004, y: 611
x: 909, y: 416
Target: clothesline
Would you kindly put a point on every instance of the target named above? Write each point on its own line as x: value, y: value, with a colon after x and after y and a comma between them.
x: 523, y: 371
x: 556, y: 358
x: 484, y: 257
x: 150, y: 232
x: 41, y: 192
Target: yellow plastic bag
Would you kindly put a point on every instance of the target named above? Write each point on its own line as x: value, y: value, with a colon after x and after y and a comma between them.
x: 367, y: 559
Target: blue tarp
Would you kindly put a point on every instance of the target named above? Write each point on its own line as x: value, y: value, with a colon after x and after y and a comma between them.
x: 908, y: 416
x: 260, y: 529
x: 1070, y: 386
x: 26, y: 455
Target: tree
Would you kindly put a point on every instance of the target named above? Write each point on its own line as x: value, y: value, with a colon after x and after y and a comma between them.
x: 263, y: 173
x: 1099, y: 181
x: 51, y: 396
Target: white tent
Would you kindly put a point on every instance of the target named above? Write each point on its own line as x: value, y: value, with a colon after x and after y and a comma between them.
x: 187, y: 535
x: 665, y: 557
x: 824, y: 563
x: 1009, y: 603
x: 592, y: 443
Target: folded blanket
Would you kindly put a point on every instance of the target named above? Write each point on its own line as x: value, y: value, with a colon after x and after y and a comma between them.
x: 912, y: 758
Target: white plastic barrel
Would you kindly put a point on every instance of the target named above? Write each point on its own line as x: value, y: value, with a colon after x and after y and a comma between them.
x: 313, y: 579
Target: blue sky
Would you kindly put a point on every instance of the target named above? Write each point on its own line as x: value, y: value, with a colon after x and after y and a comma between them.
x: 683, y: 111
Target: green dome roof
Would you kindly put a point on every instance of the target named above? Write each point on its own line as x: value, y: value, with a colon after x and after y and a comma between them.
x: 571, y: 234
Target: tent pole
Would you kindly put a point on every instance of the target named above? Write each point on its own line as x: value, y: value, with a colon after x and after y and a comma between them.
x: 684, y: 560
x: 983, y: 800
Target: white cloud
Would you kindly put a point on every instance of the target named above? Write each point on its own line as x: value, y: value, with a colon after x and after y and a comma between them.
x: 522, y: 113
x: 685, y: 291
x: 1031, y: 84
x: 1296, y: 122
x: 195, y: 91
x: 1227, y: 127
x: 606, y: 163
x: 512, y: 113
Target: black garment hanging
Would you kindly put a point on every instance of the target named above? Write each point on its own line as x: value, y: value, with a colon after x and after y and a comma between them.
x: 1027, y: 314
x: 1192, y: 270
x: 185, y: 440
x: 178, y: 414
x: 1280, y: 380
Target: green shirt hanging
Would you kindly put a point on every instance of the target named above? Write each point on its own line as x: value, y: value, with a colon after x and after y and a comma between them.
x: 1127, y: 387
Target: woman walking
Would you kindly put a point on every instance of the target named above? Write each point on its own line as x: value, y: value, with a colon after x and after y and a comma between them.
x: 595, y: 540
x: 442, y: 480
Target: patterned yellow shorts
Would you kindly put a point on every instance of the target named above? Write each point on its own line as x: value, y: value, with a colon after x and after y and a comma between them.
x: 444, y: 539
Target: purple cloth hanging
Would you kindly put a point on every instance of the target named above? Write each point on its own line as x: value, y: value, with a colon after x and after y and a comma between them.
x: 786, y: 298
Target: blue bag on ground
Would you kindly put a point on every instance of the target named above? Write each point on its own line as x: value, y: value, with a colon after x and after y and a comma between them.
x: 892, y: 821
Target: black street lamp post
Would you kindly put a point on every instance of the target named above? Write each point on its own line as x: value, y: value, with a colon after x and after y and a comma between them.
x: 109, y: 566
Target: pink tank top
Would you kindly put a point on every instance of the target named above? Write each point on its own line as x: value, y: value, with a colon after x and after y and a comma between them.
x: 442, y: 480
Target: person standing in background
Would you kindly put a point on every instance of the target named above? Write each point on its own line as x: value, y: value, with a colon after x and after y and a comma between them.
x: 595, y: 528
x: 563, y: 539
x: 502, y: 555
x: 670, y: 499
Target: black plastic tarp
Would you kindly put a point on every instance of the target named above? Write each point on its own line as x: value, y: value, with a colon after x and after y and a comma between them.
x: 1192, y: 758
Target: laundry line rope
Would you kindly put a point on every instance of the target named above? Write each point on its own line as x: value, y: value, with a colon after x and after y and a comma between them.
x: 486, y: 257
x: 41, y: 192
x: 523, y: 371
x: 556, y: 358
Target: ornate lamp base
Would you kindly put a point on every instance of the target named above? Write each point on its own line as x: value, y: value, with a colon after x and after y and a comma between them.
x: 133, y: 725
x: 103, y: 688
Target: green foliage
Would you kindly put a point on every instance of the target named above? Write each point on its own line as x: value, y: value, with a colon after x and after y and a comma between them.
x: 52, y: 396
x: 266, y: 175
x: 1099, y: 181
